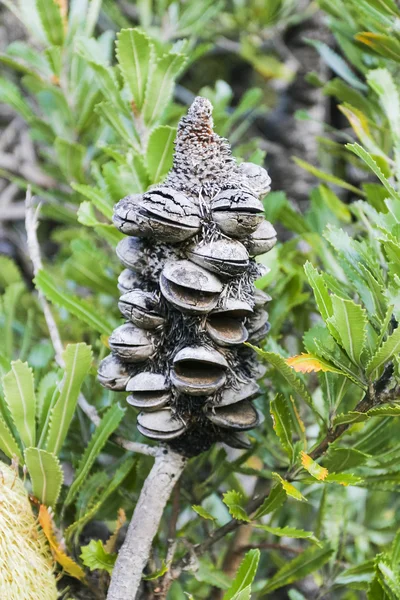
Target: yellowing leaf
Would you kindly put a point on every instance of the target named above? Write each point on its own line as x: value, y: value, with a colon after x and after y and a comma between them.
x: 110, y: 545
x: 289, y: 488
x: 312, y: 467
x: 307, y: 363
x: 69, y: 565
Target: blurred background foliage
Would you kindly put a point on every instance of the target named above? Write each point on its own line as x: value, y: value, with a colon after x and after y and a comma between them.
x: 91, y: 94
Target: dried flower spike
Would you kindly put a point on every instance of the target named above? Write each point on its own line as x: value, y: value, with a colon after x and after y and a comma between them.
x: 188, y: 294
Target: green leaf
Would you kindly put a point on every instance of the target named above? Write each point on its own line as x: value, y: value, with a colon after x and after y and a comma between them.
x: 46, y: 475
x: 274, y: 500
x: 97, y: 197
x: 20, y: 397
x: 159, y: 152
x: 202, y: 512
x: 307, y: 562
x: 342, y: 459
x: 114, y: 483
x: 289, y: 489
x: 279, y: 363
x: 10, y: 94
x: 95, y: 556
x: 208, y: 573
x: 160, y: 85
x: 70, y: 156
x: 107, y: 426
x: 9, y: 272
x: 8, y: 444
x: 78, y: 307
x: 244, y: 594
x: 382, y: 83
x: 245, y: 574
x: 371, y: 163
x: 350, y: 321
x: 327, y: 176
x: 51, y: 19
x: 77, y: 358
x: 388, y: 349
x: 388, y: 577
x: 290, y: 532
x: 157, y: 574
x: 336, y: 63
x: 235, y: 503
x: 47, y: 387
x: 282, y: 423
x: 135, y: 54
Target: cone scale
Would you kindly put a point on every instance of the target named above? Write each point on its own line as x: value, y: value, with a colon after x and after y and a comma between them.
x: 188, y: 294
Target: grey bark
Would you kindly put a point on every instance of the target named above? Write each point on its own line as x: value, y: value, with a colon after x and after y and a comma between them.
x: 135, y: 551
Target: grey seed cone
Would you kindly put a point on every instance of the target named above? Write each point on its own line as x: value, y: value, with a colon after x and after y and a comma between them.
x: 188, y: 294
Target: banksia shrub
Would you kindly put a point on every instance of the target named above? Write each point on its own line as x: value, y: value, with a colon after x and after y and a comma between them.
x: 188, y: 294
x: 26, y: 571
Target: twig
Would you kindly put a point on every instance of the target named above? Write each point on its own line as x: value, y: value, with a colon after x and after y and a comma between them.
x: 135, y: 551
x: 136, y: 446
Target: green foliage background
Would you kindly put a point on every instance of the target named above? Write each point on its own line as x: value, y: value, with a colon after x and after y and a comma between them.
x: 101, y: 88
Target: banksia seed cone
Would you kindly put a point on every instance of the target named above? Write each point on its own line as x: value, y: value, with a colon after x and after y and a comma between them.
x: 188, y: 294
x: 26, y: 566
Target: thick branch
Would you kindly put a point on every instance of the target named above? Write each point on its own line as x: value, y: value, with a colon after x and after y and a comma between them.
x: 135, y: 551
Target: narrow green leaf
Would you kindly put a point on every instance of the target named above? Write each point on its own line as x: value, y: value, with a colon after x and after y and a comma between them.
x: 202, y: 512
x: 282, y: 423
x: 51, y: 19
x: 107, y: 426
x: 156, y: 574
x: 290, y: 532
x: 160, y: 85
x: 8, y: 444
x: 287, y: 372
x: 327, y: 176
x: 97, y: 197
x: 388, y: 349
x: 77, y: 358
x: 274, y: 500
x: 78, y: 307
x: 159, y: 152
x: 350, y: 321
x: 136, y: 56
x: 371, y: 163
x: 245, y: 575
x: 307, y: 562
x: 382, y: 83
x: 20, y: 397
x: 336, y: 63
x: 10, y: 94
x: 235, y: 502
x: 95, y: 556
x: 46, y: 475
x: 71, y: 156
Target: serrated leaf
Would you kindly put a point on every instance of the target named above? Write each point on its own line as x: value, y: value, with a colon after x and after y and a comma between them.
x: 160, y: 85
x: 235, y: 502
x: 320, y: 290
x: 8, y: 444
x: 310, y: 363
x: 117, y: 479
x: 70, y: 157
x: 342, y: 459
x: 350, y: 321
x: 344, y: 479
x: 313, y: 467
x: 202, y: 512
x: 279, y: 363
x: 135, y: 55
x: 46, y: 475
x: 371, y: 163
x: 289, y: 488
x: 94, y: 556
x: 77, y: 358
x: 282, y: 423
x: 156, y: 574
x: 77, y: 306
x: 245, y: 574
x: 66, y: 562
x: 52, y: 21
x: 20, y: 397
x: 274, y: 500
x: 307, y: 562
x: 97, y: 197
x: 106, y: 427
x: 159, y: 152
x: 388, y: 349
x: 244, y: 594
